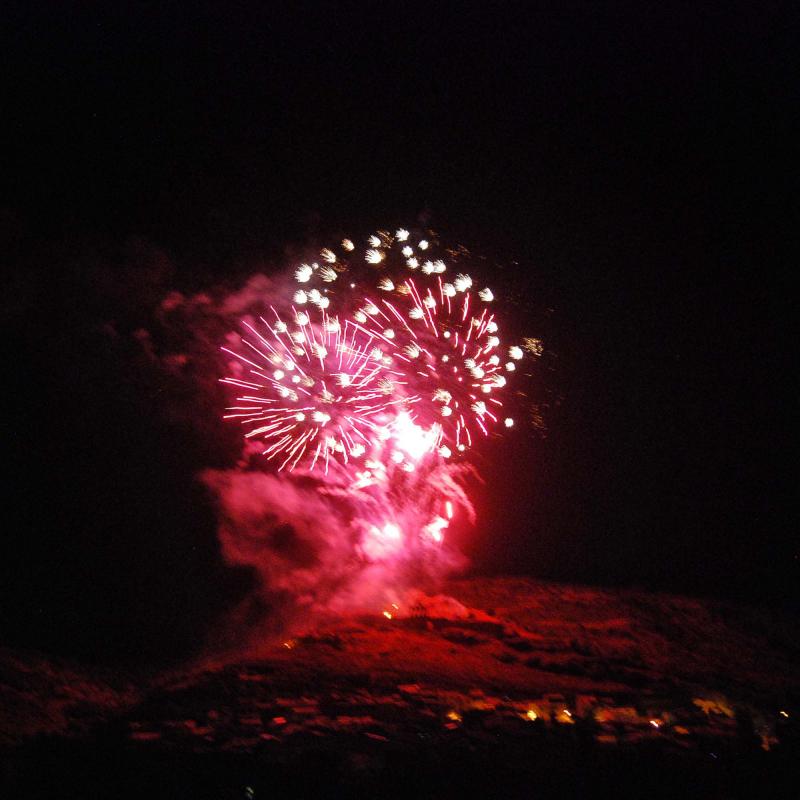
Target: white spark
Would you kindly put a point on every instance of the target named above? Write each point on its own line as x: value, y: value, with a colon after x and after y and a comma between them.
x: 407, y: 251
x: 401, y: 235
x: 423, y: 245
x: 385, y: 284
x: 303, y: 273
x: 374, y: 256
x: 328, y: 274
x: 462, y: 282
x: 348, y: 245
x: 328, y: 255
x: 515, y: 352
x: 486, y: 295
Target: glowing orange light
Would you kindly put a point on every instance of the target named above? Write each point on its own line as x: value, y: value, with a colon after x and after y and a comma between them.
x: 531, y: 715
x: 387, y: 614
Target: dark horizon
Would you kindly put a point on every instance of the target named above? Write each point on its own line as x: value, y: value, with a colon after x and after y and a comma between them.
x: 615, y: 167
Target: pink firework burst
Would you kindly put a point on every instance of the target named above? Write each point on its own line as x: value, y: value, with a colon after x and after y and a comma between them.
x: 381, y: 358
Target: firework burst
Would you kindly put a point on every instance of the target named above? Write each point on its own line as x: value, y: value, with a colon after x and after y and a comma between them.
x: 379, y: 366
x: 380, y: 353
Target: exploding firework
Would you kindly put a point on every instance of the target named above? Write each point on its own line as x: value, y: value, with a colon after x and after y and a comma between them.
x: 377, y: 369
x: 376, y: 353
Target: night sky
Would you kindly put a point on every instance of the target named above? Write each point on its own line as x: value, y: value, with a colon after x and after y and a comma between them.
x: 626, y: 170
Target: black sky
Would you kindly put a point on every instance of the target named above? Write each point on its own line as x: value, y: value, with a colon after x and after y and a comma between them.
x: 630, y: 166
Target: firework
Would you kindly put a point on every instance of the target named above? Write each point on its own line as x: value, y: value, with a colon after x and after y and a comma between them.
x: 380, y: 355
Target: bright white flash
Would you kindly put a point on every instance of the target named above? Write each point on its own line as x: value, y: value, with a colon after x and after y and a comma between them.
x: 462, y: 282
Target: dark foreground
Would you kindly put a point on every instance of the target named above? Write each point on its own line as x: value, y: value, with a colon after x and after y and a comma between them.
x: 499, y: 688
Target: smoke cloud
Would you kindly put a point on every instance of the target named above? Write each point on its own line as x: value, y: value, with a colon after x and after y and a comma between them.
x: 317, y: 542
